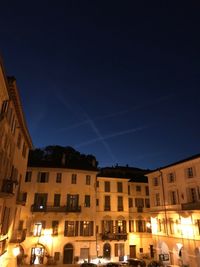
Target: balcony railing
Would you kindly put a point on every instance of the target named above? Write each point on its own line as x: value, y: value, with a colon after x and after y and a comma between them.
x: 7, y: 188
x: 114, y: 236
x: 190, y: 206
x: 106, y: 208
x: 43, y: 208
x: 18, y: 236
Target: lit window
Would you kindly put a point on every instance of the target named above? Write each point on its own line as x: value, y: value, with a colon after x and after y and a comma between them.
x: 37, y: 229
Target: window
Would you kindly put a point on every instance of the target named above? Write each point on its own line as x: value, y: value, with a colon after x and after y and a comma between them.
x: 87, y: 201
x: 172, y: 195
x: 157, y: 199
x: 119, y: 187
x: 192, y: 194
x: 72, y: 201
x: 147, y: 190
x: 119, y: 250
x: 171, y: 177
x: 155, y: 181
x: 130, y: 202
x: 131, y: 225
x: 88, y: 179
x: 190, y: 172
x: 120, y: 203
x: 147, y: 203
x: 97, y: 202
x: 107, y: 186
x: 19, y: 140
x: 129, y: 190
x: 40, y: 200
x: 28, y: 176
x: 121, y: 226
x: 38, y: 227
x: 107, y: 226
x: 43, y: 177
x: 139, y: 202
x: 71, y: 228
x: 59, y: 177
x: 198, y: 226
x: 86, y: 228
x: 140, y: 226
x: 4, y: 107
x: 24, y: 149
x: 74, y: 177
x: 56, y: 200
x: 55, y: 227
x: 107, y: 203
x: 138, y: 188
x: 97, y: 184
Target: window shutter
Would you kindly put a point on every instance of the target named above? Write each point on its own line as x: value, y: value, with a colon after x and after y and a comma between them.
x: 76, y: 228
x: 91, y: 228
x: 81, y: 228
x: 124, y: 226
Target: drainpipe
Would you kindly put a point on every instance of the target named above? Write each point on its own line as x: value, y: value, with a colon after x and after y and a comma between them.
x: 164, y: 200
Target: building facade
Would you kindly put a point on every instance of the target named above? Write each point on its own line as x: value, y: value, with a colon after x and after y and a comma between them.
x: 15, y: 143
x: 175, y: 217
x: 74, y: 215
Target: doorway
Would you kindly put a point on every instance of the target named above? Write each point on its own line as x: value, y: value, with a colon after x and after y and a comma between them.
x: 68, y: 254
x: 132, y: 251
x: 37, y: 255
x: 106, y: 251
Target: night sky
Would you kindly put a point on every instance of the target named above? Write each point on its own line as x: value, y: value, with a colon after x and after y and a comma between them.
x: 116, y: 79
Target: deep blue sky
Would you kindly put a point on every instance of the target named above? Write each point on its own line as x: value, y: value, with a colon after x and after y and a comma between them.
x: 116, y: 79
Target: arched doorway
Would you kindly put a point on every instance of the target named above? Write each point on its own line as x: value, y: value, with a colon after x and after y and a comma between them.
x: 68, y: 254
x: 106, y: 251
x: 37, y: 254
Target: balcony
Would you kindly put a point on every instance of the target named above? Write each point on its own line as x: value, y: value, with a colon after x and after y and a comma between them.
x: 7, y: 188
x: 41, y: 208
x: 21, y: 199
x: 18, y: 236
x: 114, y: 236
x: 190, y: 206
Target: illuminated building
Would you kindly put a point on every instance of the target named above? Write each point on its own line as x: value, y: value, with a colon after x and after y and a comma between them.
x: 75, y: 215
x: 15, y: 143
x: 175, y: 217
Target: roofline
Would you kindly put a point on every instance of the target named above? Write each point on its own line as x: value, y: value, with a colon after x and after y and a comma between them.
x: 176, y: 163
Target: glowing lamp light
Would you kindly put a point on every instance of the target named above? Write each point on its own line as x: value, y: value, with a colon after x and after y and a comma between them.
x: 16, y: 251
x: 148, y: 225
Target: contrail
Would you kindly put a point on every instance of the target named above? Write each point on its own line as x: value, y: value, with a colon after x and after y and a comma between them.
x: 103, y: 138
x: 99, y: 136
x: 114, y: 114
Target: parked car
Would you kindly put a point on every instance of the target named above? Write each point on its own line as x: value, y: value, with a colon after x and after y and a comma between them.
x: 136, y: 262
x: 155, y: 264
x: 88, y: 264
x: 113, y: 264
